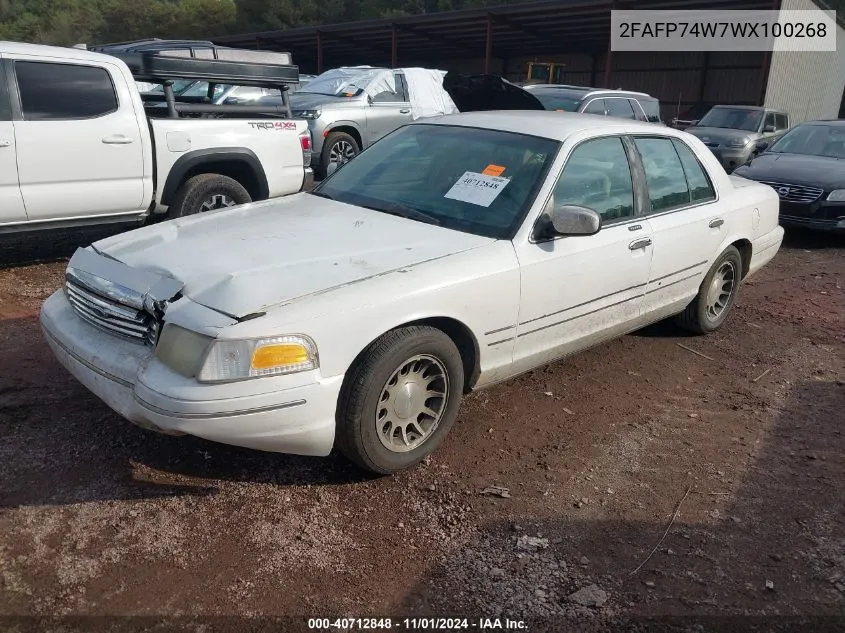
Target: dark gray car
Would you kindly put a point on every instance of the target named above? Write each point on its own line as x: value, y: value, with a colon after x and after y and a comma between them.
x: 735, y: 134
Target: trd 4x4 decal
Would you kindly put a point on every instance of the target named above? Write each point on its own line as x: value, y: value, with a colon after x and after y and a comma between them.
x: 275, y: 125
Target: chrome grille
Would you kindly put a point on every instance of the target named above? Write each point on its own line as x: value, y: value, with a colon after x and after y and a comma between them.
x: 795, y: 193
x: 111, y: 316
x: 711, y: 144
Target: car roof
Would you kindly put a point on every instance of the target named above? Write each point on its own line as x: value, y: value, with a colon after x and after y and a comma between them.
x: 586, y: 91
x: 18, y: 48
x: 749, y: 107
x: 552, y: 125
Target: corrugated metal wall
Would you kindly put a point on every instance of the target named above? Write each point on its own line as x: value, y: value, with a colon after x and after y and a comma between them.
x: 808, y: 85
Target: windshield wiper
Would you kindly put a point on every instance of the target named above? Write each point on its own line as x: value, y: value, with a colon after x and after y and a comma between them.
x: 404, y: 211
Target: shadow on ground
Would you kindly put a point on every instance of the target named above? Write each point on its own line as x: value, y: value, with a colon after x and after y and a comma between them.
x: 25, y: 248
x: 59, y: 444
x: 773, y: 559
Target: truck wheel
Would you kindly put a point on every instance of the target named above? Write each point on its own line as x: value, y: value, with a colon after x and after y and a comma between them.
x: 400, y: 399
x: 339, y: 149
x: 207, y: 192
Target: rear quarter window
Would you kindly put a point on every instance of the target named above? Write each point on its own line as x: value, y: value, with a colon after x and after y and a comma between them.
x: 652, y: 110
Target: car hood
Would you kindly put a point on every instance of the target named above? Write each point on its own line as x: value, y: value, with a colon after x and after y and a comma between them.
x: 488, y: 92
x: 243, y: 260
x: 720, y: 135
x: 796, y: 169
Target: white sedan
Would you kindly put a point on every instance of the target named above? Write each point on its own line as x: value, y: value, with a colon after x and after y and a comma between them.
x: 449, y: 256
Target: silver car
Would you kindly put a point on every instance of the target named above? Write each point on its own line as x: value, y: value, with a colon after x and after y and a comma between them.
x: 736, y: 134
x: 348, y: 109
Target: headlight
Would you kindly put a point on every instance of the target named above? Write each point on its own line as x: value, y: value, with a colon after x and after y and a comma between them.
x: 737, y: 143
x: 236, y: 360
x: 837, y: 196
x: 306, y: 114
x: 182, y: 350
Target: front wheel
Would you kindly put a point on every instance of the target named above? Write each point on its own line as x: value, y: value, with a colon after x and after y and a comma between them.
x: 716, y: 295
x: 400, y: 399
x: 207, y: 192
x: 338, y: 149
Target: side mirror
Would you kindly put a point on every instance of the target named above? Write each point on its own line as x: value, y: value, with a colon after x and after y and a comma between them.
x: 762, y: 146
x: 572, y: 220
x: 768, y: 129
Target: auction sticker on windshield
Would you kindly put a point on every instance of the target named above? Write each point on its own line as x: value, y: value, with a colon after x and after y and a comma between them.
x: 476, y: 188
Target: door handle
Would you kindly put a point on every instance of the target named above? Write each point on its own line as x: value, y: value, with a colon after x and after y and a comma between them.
x: 5, y: 143
x: 641, y: 243
x: 118, y: 139
x: 716, y: 223
x: 404, y: 111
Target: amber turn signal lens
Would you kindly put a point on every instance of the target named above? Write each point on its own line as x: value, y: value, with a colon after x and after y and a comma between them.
x: 269, y: 356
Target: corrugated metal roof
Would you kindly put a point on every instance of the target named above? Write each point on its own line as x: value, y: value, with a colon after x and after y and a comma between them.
x: 549, y: 26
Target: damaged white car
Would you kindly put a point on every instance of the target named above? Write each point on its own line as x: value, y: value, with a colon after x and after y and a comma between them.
x: 450, y: 256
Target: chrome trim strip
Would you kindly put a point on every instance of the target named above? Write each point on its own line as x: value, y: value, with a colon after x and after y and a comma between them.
x: 214, y: 416
x: 682, y: 270
x: 672, y: 283
x: 579, y: 305
x: 545, y: 327
x: 504, y: 340
x: 501, y: 329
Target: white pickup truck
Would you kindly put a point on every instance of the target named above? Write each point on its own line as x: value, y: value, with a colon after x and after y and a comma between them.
x: 77, y: 147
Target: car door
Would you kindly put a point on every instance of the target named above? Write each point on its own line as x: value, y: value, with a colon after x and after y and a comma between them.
x: 79, y: 140
x: 11, y: 202
x: 579, y: 290
x: 388, y: 109
x: 685, y: 221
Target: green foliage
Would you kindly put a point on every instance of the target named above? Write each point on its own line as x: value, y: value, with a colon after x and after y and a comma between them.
x: 67, y: 22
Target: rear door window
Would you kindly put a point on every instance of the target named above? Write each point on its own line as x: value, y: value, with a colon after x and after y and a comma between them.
x: 667, y: 182
x: 64, y: 91
x: 620, y: 108
x: 781, y: 122
x: 700, y: 187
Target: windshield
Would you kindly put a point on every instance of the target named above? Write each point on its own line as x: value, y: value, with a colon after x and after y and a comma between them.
x: 732, y: 119
x: 343, y: 82
x: 813, y: 140
x: 557, y: 100
x: 468, y: 179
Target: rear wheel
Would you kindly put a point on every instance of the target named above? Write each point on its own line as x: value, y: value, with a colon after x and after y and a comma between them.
x: 400, y: 400
x: 716, y: 295
x: 207, y: 192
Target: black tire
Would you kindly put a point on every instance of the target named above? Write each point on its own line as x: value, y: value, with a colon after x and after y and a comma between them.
x: 198, y: 190
x: 697, y: 317
x: 358, y: 437
x: 335, y: 138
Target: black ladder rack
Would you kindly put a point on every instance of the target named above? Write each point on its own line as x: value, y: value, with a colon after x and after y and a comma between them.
x: 164, y: 69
